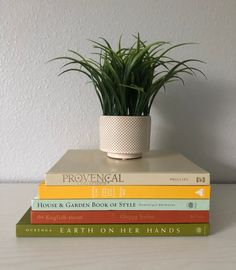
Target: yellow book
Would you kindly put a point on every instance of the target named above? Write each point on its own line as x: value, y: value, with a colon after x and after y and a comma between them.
x: 128, y: 192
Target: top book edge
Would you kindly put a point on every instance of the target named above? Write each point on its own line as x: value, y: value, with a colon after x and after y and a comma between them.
x: 96, y: 161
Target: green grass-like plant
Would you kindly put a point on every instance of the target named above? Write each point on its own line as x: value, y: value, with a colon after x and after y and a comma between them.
x: 127, y: 80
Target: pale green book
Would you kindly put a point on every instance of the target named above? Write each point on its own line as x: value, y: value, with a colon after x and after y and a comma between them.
x: 93, y: 167
x: 119, y: 204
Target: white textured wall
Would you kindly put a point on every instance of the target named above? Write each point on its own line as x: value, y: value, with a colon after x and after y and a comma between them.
x: 42, y: 115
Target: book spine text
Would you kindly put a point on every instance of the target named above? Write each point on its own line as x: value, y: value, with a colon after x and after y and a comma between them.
x: 114, y: 179
x: 165, y: 192
x: 109, y: 217
x: 32, y: 230
x: 119, y: 204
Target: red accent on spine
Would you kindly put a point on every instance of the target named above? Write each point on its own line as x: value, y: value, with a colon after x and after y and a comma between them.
x: 118, y: 216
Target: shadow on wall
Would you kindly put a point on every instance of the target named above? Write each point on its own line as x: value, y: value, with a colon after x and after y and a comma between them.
x: 199, y: 120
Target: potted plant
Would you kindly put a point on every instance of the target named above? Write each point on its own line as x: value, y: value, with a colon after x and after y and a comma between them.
x: 126, y: 81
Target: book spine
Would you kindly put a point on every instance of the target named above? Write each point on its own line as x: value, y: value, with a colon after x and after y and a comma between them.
x: 32, y: 230
x: 120, y: 204
x: 128, y: 179
x: 110, y: 217
x: 142, y: 192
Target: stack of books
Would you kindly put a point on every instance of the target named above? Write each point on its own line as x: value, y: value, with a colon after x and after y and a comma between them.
x: 88, y: 194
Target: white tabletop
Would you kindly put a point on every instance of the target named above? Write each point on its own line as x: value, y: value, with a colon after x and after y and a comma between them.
x: 217, y: 251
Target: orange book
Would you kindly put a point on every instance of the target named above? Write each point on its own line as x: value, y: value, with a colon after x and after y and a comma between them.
x: 141, y: 192
x: 118, y: 216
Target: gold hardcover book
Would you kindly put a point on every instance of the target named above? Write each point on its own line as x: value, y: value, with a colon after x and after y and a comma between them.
x: 119, y: 192
x: 93, y: 167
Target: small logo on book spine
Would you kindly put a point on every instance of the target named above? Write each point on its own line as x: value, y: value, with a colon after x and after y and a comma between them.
x: 198, y: 230
x: 200, y: 192
x: 191, y: 205
x: 200, y: 179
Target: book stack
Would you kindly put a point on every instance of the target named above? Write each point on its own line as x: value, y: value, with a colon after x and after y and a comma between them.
x: 88, y: 194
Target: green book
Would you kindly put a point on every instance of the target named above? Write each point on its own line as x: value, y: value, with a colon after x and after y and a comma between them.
x: 25, y: 229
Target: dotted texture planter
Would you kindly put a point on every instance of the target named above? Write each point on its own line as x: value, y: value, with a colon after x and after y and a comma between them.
x: 125, y: 137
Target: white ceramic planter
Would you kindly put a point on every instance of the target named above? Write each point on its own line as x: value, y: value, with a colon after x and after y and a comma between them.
x: 125, y: 137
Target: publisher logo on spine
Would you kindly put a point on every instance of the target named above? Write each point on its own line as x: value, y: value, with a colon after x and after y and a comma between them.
x: 201, y: 180
x: 191, y: 205
x: 198, y: 230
